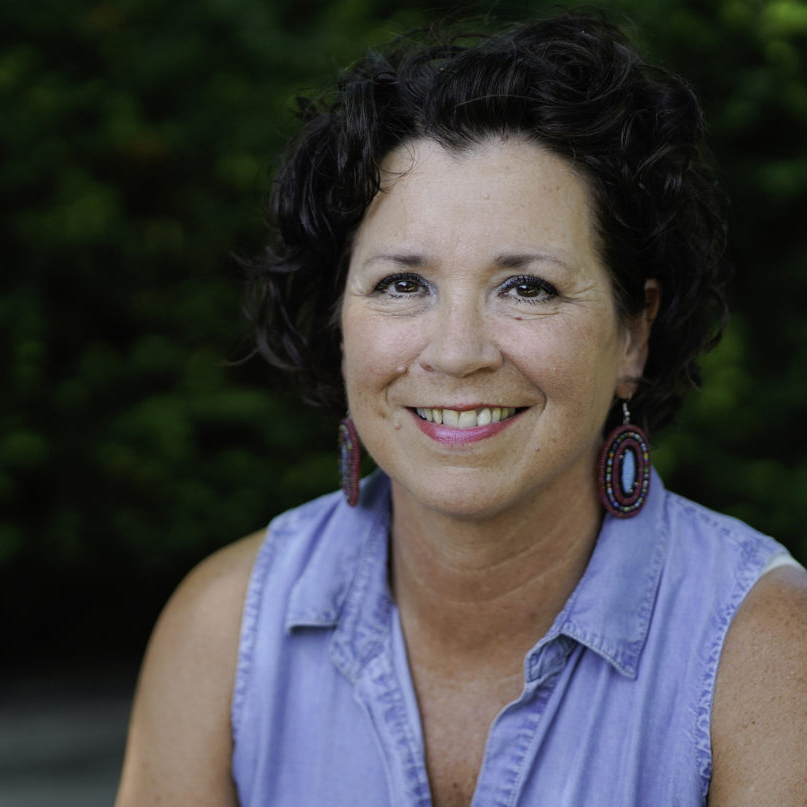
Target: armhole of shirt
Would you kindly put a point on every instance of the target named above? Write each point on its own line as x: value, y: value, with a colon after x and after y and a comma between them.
x: 703, y: 747
x: 249, y: 627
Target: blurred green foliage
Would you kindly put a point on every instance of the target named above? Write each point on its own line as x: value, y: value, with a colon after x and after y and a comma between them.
x: 136, y: 141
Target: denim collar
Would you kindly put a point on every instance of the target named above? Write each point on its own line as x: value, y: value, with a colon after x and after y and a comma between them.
x: 344, y: 584
x: 610, y: 609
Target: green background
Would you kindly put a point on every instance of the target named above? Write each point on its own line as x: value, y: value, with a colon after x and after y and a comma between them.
x: 137, y: 140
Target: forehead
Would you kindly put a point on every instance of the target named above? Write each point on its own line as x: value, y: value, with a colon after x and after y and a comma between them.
x: 499, y: 194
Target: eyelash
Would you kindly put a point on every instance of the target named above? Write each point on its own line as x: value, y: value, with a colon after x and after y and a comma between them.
x: 386, y: 286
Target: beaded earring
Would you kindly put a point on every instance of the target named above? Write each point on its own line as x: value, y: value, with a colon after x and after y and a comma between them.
x: 624, y: 469
x: 349, y: 461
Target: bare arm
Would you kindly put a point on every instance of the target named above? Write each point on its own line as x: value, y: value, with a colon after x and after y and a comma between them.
x: 759, y: 723
x: 180, y: 743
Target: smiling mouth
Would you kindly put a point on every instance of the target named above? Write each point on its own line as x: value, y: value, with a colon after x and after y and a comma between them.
x: 467, y: 419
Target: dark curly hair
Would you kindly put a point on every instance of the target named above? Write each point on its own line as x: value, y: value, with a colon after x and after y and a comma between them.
x: 572, y: 84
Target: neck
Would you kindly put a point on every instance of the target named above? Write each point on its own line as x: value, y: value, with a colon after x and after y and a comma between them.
x: 471, y: 591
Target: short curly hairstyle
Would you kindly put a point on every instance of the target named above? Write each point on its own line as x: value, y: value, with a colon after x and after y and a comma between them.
x: 572, y: 84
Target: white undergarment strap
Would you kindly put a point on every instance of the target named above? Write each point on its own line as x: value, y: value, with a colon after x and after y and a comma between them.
x: 780, y: 559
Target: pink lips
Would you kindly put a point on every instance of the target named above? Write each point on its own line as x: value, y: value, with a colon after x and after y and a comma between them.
x: 451, y: 436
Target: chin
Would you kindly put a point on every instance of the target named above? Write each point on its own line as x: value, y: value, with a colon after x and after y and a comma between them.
x: 473, y: 502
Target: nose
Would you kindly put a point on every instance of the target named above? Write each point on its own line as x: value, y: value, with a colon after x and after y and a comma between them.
x: 459, y: 340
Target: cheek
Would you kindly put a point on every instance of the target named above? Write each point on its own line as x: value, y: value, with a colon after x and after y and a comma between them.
x: 574, y: 363
x: 375, y: 350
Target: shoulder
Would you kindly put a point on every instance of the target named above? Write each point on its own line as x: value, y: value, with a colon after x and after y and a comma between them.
x: 213, y: 593
x: 717, y: 557
x: 179, y: 743
x: 204, y: 613
x: 759, y: 722
x: 691, y: 523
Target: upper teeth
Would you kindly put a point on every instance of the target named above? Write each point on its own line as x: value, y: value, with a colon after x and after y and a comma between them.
x: 468, y: 418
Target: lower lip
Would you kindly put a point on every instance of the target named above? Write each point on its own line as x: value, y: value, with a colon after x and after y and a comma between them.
x: 458, y: 437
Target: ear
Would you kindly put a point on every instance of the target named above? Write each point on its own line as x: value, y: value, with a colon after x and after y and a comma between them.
x: 637, y: 340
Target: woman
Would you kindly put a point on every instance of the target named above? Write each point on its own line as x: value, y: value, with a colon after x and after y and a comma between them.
x: 501, y: 258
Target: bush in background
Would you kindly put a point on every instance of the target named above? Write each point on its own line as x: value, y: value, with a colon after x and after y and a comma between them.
x: 137, y: 139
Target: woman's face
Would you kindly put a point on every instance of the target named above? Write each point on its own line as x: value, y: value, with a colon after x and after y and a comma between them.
x: 481, y: 345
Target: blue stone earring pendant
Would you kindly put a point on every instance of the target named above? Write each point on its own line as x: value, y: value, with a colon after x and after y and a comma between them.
x: 624, y: 469
x: 349, y: 461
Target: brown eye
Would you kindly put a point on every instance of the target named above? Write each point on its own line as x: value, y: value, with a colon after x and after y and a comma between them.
x: 402, y: 285
x: 405, y: 287
x: 528, y: 289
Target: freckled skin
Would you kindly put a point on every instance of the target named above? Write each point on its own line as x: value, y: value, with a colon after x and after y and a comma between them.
x: 458, y: 334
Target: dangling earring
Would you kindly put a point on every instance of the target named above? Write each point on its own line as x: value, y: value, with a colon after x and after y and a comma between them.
x: 624, y: 469
x: 349, y: 460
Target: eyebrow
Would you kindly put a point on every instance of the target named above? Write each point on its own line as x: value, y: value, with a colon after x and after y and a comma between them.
x: 520, y: 260
x: 404, y: 259
x: 507, y: 260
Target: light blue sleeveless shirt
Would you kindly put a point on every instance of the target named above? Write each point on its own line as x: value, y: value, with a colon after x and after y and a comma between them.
x: 617, y: 696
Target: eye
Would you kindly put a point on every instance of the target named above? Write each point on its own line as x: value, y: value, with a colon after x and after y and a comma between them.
x: 405, y: 284
x: 528, y: 289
